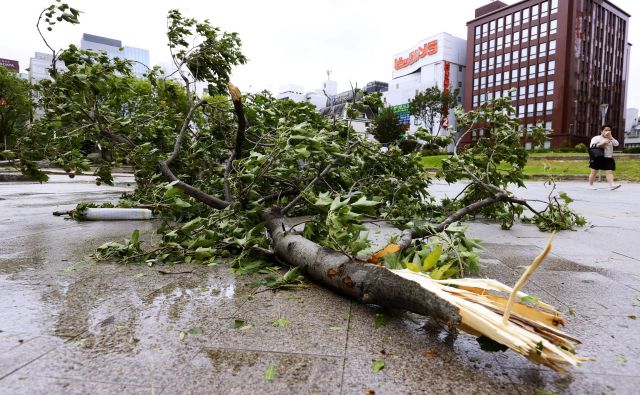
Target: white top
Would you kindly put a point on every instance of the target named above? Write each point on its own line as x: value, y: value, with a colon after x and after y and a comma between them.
x: 608, y: 147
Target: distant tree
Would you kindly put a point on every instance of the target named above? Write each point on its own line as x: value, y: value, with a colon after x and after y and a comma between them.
x: 386, y: 128
x: 15, y: 105
x: 431, y: 105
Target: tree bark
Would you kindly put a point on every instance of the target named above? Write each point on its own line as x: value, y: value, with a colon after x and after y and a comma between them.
x: 362, y: 281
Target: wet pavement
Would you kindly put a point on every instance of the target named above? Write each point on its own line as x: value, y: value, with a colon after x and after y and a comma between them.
x: 71, y: 325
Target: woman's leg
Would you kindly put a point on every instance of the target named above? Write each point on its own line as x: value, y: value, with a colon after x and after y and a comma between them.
x: 592, y: 176
x: 609, y: 175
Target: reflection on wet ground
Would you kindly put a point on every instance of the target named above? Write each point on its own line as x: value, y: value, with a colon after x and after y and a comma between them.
x: 71, y: 325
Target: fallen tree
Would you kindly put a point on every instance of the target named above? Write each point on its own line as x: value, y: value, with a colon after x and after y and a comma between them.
x: 228, y: 172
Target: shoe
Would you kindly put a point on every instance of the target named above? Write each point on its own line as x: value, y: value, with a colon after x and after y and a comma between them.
x: 592, y: 187
x: 613, y: 188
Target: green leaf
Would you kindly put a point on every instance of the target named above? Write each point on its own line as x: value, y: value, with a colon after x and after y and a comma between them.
x: 377, y: 365
x: 380, y: 320
x: 181, y: 203
x: 431, y: 259
x: 270, y: 372
x: 280, y: 322
x: 363, y: 202
x: 237, y: 324
x: 413, y: 267
x: 204, y: 252
x: 530, y: 299
x: 195, y: 331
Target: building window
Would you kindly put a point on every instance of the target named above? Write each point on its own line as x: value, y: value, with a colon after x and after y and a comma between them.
x: 553, y: 26
x: 460, y: 68
x: 499, y: 61
x: 476, y: 66
x: 528, y: 145
x: 492, y: 45
x: 533, y: 52
x: 514, y: 56
x: 523, y: 73
x: 554, y: 6
x: 521, y: 111
x: 485, y: 30
x: 482, y: 96
x: 507, y: 40
x: 552, y: 47
x: 478, y: 31
x: 476, y: 51
x: 543, y: 50
x: 507, y: 59
x: 516, y: 18
x: 499, y: 43
x: 532, y: 71
x: 541, y: 89
x: 514, y: 75
x: 551, y: 69
x: 525, y: 35
x: 525, y: 15
x: 483, y: 64
x: 459, y: 84
x: 492, y: 27
x: 490, y: 81
x: 522, y: 92
x: 539, y: 108
x: 543, y: 29
x: 498, y: 79
x: 505, y: 77
x: 544, y: 9
x: 492, y: 61
x: 549, y: 107
x: 547, y: 126
x: 500, y: 24
x: 489, y: 96
x: 516, y: 38
x: 534, y: 12
x: 550, y: 85
x: 523, y: 54
x: 507, y: 21
x: 476, y: 83
x: 484, y: 47
x: 529, y: 112
x: 542, y: 69
x: 483, y: 82
x: 534, y: 32
x: 531, y: 92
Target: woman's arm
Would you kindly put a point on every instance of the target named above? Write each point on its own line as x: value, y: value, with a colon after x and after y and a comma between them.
x: 615, y: 142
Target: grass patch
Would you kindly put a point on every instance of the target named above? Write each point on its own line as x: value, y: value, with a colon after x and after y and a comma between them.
x: 627, y: 168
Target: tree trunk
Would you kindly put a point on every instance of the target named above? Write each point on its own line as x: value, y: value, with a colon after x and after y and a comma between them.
x: 360, y: 280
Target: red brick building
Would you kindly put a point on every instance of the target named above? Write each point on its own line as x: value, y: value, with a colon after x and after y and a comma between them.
x: 567, y: 60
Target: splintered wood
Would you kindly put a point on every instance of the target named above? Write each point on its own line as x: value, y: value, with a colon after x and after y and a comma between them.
x: 526, y: 330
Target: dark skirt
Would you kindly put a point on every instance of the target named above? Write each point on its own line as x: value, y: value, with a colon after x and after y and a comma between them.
x: 602, y: 164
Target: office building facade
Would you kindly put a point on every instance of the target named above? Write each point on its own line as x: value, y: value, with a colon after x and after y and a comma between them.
x: 564, y: 64
x: 114, y: 49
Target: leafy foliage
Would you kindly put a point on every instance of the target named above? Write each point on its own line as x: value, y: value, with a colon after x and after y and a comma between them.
x: 431, y: 106
x: 386, y: 128
x: 289, y: 157
x: 15, y: 107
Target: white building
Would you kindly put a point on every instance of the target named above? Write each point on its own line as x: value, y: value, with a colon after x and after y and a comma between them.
x: 114, y: 49
x: 39, y: 67
x: 438, y: 61
x: 632, y: 129
x: 291, y: 91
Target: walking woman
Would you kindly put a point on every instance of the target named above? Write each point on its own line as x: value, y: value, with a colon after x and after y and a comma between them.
x: 606, y: 142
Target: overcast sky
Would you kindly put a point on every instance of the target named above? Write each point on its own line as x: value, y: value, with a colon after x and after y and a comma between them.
x: 286, y: 41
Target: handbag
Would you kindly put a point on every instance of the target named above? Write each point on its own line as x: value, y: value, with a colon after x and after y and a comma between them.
x: 596, y: 152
